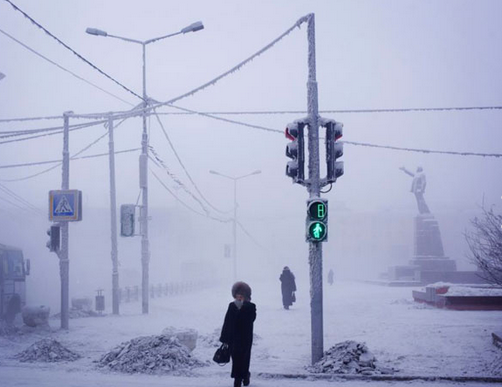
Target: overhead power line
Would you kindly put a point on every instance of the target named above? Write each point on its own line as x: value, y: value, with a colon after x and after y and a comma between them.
x: 64, y: 69
x: 57, y: 165
x: 71, y: 49
x: 160, y: 163
x: 51, y: 133
x: 60, y: 161
x: 23, y: 119
x: 212, y: 82
x: 22, y: 201
x: 206, y: 215
x: 183, y: 165
x: 346, y: 142
x: 337, y: 111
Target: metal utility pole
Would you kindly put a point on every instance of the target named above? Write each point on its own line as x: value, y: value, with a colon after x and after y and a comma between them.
x: 64, y: 262
x: 143, y: 158
x: 234, y: 228
x: 234, y: 225
x: 113, y: 217
x: 315, y: 249
x: 143, y: 182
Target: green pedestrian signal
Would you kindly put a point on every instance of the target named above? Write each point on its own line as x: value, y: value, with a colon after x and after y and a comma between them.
x: 317, y: 220
x: 317, y: 231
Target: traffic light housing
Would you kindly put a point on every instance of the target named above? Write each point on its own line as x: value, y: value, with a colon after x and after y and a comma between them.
x: 317, y: 220
x: 295, y: 150
x: 334, y: 150
x: 53, y: 244
x: 127, y: 220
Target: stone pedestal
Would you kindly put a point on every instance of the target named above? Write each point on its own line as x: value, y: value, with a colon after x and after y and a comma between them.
x: 427, y: 240
x: 434, y: 263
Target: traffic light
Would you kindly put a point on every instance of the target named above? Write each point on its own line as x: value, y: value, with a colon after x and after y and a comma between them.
x: 127, y: 220
x: 317, y: 220
x: 54, y: 238
x: 334, y: 150
x: 295, y: 150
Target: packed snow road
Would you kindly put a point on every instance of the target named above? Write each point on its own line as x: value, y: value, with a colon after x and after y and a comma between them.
x: 411, y: 338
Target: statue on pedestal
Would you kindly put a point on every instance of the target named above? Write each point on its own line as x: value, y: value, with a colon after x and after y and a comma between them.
x: 418, y: 188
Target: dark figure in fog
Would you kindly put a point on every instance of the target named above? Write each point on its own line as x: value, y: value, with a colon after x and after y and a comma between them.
x: 288, y: 287
x: 330, y: 276
x: 418, y: 188
x: 237, y: 332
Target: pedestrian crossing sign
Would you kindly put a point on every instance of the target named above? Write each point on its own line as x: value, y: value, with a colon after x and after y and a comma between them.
x: 65, y: 205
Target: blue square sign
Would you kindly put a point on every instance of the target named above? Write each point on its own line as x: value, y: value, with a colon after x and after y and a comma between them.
x: 65, y: 205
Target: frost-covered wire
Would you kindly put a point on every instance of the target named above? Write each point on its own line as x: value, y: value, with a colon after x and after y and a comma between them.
x: 213, y: 81
x: 23, y: 119
x: 160, y: 163
x: 250, y: 236
x: 28, y: 132
x: 51, y: 133
x: 63, y: 68
x: 60, y: 161
x: 71, y: 49
x: 183, y: 165
x: 347, y: 142
x: 75, y: 156
x: 206, y: 215
x: 252, y: 126
x: 423, y: 150
x: 394, y: 110
x: 21, y: 200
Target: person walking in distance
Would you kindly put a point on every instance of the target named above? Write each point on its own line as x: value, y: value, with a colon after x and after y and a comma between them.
x: 288, y: 287
x: 330, y: 276
x: 237, y: 332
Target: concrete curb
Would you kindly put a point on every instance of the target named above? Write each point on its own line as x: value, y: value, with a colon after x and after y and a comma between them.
x: 382, y: 378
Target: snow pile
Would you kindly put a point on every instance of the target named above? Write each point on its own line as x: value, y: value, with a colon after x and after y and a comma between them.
x: 48, y: 351
x: 79, y: 313
x: 187, y: 337
x: 151, y: 355
x: 349, y: 357
x: 471, y: 291
x: 212, y: 339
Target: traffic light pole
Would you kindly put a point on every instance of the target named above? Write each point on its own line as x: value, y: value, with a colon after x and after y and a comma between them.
x: 235, y: 230
x: 314, y: 188
x: 64, y: 262
x: 113, y: 216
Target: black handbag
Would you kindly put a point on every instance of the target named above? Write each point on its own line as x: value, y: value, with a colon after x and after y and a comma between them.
x: 222, y: 355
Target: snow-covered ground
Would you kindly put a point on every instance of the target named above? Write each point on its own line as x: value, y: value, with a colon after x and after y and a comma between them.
x: 413, y: 338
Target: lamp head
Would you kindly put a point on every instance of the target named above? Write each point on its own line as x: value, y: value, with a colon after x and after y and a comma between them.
x: 197, y: 26
x: 96, y: 32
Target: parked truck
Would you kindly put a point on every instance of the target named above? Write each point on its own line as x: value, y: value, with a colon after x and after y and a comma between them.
x: 13, y: 271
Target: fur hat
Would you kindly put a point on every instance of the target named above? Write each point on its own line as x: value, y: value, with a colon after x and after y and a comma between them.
x: 243, y: 289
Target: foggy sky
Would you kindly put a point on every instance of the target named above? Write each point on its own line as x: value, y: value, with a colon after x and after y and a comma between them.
x: 370, y: 55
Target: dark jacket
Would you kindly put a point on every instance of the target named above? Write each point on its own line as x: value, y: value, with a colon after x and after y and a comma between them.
x: 237, y: 332
x: 288, y: 286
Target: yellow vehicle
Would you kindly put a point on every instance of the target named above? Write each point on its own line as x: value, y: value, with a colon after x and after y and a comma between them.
x: 13, y: 272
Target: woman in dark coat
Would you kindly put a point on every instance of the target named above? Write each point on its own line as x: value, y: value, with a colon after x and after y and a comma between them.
x: 288, y: 287
x: 237, y: 332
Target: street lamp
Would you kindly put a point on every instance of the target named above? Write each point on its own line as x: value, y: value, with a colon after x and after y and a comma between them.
x: 234, y: 255
x: 143, y: 158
